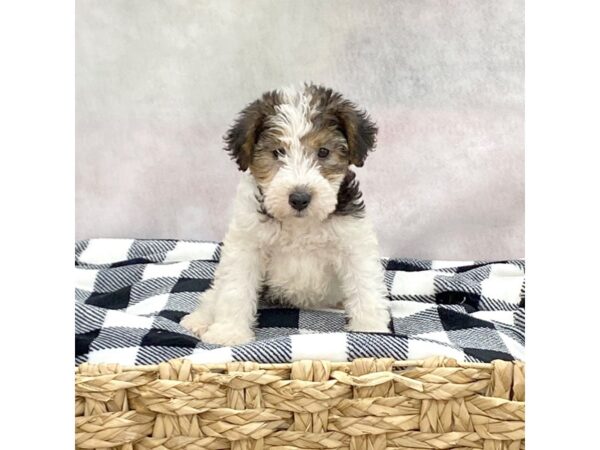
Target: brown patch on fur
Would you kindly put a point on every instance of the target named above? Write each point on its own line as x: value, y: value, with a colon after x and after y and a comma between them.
x: 264, y: 166
x: 245, y: 132
x: 335, y: 165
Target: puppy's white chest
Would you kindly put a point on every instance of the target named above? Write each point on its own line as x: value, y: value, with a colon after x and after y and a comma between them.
x: 300, y: 269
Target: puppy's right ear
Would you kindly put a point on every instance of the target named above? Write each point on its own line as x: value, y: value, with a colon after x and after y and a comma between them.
x: 244, y: 133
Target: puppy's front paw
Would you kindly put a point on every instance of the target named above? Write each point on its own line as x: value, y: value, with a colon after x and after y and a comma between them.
x: 227, y: 334
x: 378, y: 325
x: 195, y: 322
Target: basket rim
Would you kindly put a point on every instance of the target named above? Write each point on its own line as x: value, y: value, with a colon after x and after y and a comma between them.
x: 335, y: 365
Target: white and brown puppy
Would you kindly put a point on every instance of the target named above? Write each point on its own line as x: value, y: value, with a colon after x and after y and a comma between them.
x: 299, y: 233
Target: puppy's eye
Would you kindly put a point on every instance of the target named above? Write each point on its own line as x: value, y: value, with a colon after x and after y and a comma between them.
x: 279, y: 152
x: 323, y: 152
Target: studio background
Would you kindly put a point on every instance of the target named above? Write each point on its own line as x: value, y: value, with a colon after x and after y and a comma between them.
x: 159, y: 82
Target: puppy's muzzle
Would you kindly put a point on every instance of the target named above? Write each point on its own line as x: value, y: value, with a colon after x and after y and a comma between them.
x: 299, y: 199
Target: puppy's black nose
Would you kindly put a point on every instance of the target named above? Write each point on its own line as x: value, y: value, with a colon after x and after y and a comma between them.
x: 299, y: 200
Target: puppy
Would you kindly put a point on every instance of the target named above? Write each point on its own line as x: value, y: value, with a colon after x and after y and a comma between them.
x: 299, y: 235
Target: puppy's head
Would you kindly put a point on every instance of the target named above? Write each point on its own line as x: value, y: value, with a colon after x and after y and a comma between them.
x: 298, y: 145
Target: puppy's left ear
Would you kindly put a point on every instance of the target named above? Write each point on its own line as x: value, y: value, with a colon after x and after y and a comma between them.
x: 359, y: 129
x: 244, y: 133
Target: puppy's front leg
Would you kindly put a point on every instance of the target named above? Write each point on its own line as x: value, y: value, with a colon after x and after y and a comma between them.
x: 365, y: 293
x: 236, y: 285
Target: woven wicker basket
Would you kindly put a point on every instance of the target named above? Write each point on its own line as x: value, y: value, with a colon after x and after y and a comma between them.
x: 366, y: 404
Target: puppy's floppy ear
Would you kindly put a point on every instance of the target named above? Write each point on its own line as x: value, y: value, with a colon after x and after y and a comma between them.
x: 358, y: 128
x: 244, y: 133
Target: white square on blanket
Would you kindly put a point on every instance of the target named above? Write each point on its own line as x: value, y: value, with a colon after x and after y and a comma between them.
x: 165, y: 270
x: 190, y: 251
x: 418, y: 349
x: 414, y: 283
x: 216, y: 356
x: 105, y: 251
x: 121, y: 319
x: 85, y: 279
x: 331, y: 346
x: 149, y: 305
x: 125, y: 356
x: 407, y: 308
x: 504, y: 283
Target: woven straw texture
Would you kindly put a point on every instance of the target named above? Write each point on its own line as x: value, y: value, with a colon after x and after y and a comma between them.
x: 370, y: 404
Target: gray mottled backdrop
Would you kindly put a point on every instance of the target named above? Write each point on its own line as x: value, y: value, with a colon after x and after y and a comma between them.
x: 158, y: 83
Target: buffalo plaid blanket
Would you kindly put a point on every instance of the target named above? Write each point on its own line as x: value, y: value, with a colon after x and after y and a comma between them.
x: 131, y: 294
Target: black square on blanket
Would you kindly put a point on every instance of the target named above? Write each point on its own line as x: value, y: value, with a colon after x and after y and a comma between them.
x: 278, y: 318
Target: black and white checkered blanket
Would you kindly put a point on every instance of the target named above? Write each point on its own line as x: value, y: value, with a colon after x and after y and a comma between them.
x: 131, y: 294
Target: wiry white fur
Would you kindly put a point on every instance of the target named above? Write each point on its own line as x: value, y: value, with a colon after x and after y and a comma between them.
x: 312, y: 258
